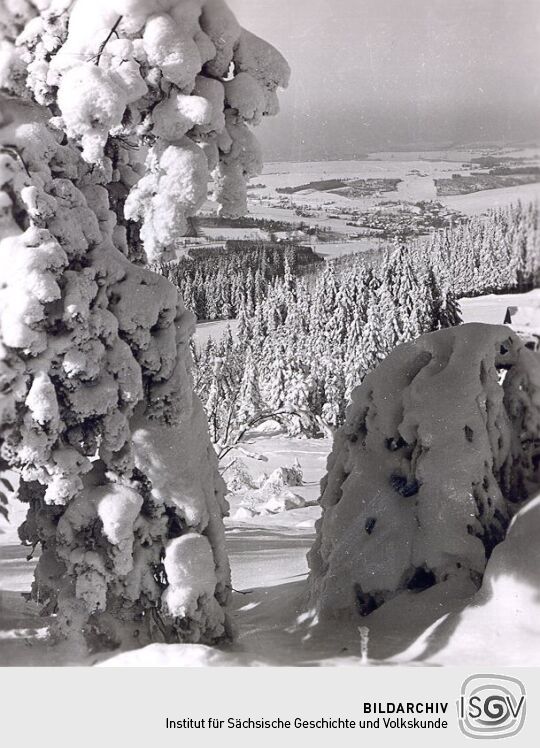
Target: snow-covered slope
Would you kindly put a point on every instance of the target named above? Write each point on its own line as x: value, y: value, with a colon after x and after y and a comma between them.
x: 448, y: 624
x: 444, y: 625
x: 501, y: 624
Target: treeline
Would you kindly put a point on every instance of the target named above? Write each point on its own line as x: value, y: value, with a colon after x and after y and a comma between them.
x: 271, y: 225
x: 216, y: 285
x: 497, y: 253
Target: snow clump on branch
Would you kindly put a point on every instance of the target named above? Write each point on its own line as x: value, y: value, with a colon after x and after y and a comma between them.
x: 113, y: 114
x: 439, y: 447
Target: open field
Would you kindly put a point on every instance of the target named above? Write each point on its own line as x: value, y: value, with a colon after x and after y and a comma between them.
x: 384, y: 194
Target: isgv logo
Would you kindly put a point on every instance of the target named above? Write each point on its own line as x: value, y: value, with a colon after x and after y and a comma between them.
x: 491, y: 706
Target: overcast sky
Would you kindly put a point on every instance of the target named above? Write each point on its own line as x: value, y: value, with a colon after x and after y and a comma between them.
x: 375, y: 74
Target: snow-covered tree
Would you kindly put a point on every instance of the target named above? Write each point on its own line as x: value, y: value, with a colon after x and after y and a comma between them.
x: 114, y: 114
x: 250, y: 404
x: 436, y: 455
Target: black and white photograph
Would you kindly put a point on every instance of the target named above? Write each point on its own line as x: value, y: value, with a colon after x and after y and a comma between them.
x: 269, y: 333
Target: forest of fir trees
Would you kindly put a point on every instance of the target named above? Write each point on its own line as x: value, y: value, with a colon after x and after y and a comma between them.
x: 485, y: 254
x: 216, y: 284
x: 302, y: 347
x: 304, y: 341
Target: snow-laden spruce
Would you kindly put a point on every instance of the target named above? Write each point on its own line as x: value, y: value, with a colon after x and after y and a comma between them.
x: 303, y: 343
x: 113, y: 115
x: 439, y: 446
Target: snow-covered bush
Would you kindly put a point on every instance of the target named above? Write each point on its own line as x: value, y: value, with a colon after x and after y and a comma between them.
x: 283, y: 476
x: 283, y: 502
x: 439, y: 446
x: 237, y: 477
x: 268, y: 494
x: 263, y: 501
x: 113, y: 113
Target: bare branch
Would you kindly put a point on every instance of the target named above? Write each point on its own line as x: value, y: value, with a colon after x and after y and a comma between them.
x: 107, y: 40
x: 254, y: 422
x: 240, y: 592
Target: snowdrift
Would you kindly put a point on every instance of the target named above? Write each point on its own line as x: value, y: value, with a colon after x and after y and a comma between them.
x: 500, y: 625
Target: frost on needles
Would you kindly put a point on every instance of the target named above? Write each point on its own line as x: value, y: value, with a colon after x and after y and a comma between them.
x: 114, y: 115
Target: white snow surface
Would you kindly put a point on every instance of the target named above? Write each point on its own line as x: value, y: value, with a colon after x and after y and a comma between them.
x: 445, y: 625
x: 492, y: 309
x: 416, y: 170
